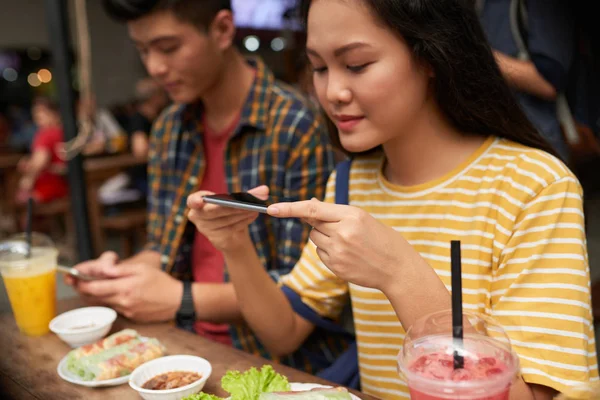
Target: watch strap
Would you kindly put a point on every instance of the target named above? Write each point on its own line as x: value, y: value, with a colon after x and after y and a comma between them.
x: 186, y: 315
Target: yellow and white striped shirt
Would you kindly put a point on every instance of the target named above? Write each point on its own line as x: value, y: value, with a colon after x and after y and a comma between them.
x: 518, y: 213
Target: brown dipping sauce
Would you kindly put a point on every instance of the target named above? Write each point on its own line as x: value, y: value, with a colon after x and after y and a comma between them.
x: 171, y: 380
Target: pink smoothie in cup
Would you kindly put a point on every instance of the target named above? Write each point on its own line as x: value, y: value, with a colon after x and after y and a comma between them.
x: 426, y: 361
x: 440, y: 367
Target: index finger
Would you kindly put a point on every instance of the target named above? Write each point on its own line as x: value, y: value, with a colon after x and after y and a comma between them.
x: 307, y: 209
x: 102, y: 288
x: 93, y: 268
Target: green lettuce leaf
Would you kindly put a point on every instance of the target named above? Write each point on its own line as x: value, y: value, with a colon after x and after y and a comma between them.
x: 250, y: 384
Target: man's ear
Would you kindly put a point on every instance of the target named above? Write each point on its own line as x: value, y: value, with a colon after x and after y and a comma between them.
x: 222, y: 29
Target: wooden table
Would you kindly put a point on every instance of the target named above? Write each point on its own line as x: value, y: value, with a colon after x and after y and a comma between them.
x: 28, y: 365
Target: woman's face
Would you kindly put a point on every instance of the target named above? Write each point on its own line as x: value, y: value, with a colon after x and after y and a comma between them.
x: 365, y: 76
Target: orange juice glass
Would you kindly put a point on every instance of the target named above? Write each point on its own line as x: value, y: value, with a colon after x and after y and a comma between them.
x: 31, y: 284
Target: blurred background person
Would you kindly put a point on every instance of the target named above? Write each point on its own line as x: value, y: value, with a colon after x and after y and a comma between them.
x: 547, y: 30
x: 132, y: 186
x: 108, y: 136
x: 43, y: 172
x: 150, y: 100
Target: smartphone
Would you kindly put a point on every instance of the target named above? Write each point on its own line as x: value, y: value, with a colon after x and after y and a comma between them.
x: 76, y: 274
x: 242, y: 201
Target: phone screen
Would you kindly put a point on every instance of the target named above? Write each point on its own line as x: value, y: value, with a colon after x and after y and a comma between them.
x: 244, y: 201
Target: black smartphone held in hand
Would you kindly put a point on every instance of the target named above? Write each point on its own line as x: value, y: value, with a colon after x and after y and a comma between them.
x: 77, y: 275
x: 242, y: 201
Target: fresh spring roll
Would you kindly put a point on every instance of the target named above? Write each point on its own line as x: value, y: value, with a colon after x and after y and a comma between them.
x: 314, y: 394
x: 84, y: 367
x: 116, y: 339
x: 117, y: 361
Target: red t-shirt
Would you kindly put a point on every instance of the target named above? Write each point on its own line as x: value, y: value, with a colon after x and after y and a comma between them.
x: 48, y: 185
x: 207, y: 262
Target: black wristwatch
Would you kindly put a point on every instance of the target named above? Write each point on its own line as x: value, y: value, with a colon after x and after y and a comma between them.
x: 186, y: 315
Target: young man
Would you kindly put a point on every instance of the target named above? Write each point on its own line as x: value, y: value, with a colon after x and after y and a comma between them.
x: 233, y: 127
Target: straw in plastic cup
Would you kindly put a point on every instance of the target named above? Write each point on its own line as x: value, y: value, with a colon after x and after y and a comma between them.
x: 426, y: 360
x: 29, y: 275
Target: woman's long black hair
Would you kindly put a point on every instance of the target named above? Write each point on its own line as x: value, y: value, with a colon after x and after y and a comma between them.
x: 468, y: 85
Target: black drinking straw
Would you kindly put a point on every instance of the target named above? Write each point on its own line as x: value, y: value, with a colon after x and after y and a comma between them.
x: 28, y: 227
x: 457, y: 314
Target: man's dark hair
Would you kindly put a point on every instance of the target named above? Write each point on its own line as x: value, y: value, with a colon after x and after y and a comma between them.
x: 199, y: 13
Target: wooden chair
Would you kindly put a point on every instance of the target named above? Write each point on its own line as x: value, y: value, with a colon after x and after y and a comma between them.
x: 55, y: 211
x: 130, y: 225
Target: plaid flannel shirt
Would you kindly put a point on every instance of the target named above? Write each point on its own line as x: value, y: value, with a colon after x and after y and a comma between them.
x: 281, y: 141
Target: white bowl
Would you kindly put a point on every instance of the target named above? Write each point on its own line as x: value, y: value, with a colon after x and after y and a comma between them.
x: 83, y: 325
x: 149, y: 370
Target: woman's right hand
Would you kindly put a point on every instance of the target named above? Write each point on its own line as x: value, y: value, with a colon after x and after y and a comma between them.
x: 225, y: 227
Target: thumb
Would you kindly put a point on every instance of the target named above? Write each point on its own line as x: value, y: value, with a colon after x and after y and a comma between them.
x: 262, y: 192
x: 196, y: 201
x: 109, y: 257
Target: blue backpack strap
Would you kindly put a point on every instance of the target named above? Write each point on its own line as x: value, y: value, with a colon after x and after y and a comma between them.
x: 342, y: 180
x: 344, y: 370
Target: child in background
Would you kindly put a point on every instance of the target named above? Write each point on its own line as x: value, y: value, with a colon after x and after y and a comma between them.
x: 43, y: 173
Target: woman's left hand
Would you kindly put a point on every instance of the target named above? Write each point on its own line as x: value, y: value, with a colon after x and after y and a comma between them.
x: 350, y: 242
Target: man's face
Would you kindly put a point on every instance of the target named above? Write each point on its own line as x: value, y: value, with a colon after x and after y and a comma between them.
x: 182, y: 59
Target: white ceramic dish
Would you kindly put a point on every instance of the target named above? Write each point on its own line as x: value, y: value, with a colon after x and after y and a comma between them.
x: 68, y: 376
x: 299, y: 387
x: 149, y: 370
x: 83, y: 325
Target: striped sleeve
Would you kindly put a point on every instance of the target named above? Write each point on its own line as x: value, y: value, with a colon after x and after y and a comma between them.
x: 307, y: 171
x: 541, y: 290
x: 318, y: 287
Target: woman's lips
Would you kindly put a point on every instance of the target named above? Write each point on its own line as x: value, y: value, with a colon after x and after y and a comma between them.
x: 347, y: 123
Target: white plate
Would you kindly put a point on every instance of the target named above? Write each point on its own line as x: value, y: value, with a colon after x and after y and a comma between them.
x: 68, y: 376
x: 298, y: 387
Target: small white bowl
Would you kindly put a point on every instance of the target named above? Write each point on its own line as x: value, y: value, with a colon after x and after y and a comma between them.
x: 83, y: 325
x: 149, y: 370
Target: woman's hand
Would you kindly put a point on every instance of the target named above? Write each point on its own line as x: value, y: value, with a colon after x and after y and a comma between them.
x: 225, y: 227
x: 350, y: 242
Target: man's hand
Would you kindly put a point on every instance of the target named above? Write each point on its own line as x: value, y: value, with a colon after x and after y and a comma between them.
x: 136, y: 290
x: 95, y: 267
x: 226, y: 228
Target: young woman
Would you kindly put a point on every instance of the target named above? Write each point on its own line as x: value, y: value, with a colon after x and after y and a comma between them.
x: 441, y: 151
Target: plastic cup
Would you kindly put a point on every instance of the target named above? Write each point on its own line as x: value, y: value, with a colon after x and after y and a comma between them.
x: 426, y: 359
x: 30, y: 282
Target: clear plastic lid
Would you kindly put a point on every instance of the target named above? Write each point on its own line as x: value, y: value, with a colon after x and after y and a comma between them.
x: 427, y: 359
x: 15, y: 250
